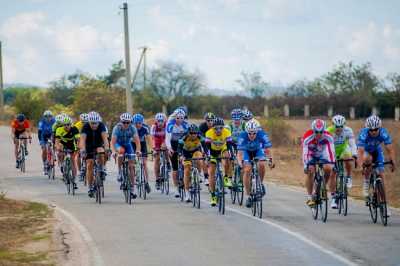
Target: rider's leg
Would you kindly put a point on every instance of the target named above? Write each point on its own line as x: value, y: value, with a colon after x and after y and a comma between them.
x: 89, y: 171
x: 157, y: 165
x: 187, y: 167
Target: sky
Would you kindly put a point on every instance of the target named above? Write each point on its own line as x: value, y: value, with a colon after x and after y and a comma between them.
x: 284, y: 40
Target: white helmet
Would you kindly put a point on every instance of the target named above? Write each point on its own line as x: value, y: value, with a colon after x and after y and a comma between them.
x: 84, y: 117
x: 94, y: 117
x: 159, y: 117
x: 339, y: 120
x: 373, y: 122
x: 47, y: 113
x: 252, y: 126
x: 126, y: 117
x: 180, y: 113
x: 59, y: 118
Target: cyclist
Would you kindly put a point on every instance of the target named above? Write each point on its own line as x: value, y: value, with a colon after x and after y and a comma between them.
x: 20, y: 127
x: 204, y: 127
x: 253, y: 143
x: 93, y: 139
x: 236, y: 126
x: 122, y: 135
x: 370, y: 151
x: 143, y: 131
x: 176, y: 128
x: 157, y: 133
x: 318, y: 145
x: 190, y: 146
x: 345, y: 144
x: 66, y: 137
x: 219, y: 144
x: 45, y: 129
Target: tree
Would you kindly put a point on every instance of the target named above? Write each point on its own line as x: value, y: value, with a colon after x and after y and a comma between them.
x: 117, y: 72
x: 94, y: 94
x: 32, y: 103
x: 61, y: 90
x: 170, y: 81
x: 253, y: 83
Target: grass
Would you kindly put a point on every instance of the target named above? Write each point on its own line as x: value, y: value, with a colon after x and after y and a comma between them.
x: 23, y: 223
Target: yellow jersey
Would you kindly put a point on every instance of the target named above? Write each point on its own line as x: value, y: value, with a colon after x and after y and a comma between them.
x: 79, y: 125
x: 218, y: 142
x: 67, y: 136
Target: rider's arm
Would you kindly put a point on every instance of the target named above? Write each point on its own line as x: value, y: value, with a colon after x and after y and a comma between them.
x: 390, y: 151
x: 104, y: 136
x: 113, y: 141
x: 40, y: 130
x: 168, y: 137
x: 82, y: 142
x: 136, y: 140
x: 352, y: 142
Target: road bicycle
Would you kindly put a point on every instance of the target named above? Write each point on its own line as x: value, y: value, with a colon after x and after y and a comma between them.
x: 341, y: 186
x: 376, y: 199
x: 237, y: 190
x: 195, y: 188
x: 256, y: 192
x: 126, y: 180
x: 50, y: 160
x: 141, y: 178
x: 22, y: 151
x: 68, y: 177
x: 165, y: 171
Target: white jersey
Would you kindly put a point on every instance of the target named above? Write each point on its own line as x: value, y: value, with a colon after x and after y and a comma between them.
x: 347, y: 136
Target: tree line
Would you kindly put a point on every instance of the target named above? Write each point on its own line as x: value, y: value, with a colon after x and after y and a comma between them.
x: 171, y: 84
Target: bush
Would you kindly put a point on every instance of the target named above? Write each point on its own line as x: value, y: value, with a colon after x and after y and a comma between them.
x: 278, y: 130
x: 32, y: 103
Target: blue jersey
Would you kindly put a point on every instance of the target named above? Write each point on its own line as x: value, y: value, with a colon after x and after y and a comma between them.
x: 371, y: 144
x: 124, y: 136
x: 261, y: 141
x: 143, y: 132
x: 45, y: 128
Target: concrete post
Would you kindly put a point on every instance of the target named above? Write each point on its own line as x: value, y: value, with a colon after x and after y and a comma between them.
x: 164, y: 109
x: 397, y: 113
x: 352, y: 113
x: 330, y: 111
x: 306, y: 110
x: 286, y: 110
x: 375, y: 110
x: 266, y: 111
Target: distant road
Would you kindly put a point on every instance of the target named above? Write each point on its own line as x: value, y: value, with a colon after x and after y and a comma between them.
x: 163, y: 231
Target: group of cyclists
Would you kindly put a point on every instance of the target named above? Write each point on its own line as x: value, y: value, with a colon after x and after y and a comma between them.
x: 242, y: 140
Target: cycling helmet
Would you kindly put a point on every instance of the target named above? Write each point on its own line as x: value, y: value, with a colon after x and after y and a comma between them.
x: 160, y: 117
x: 125, y: 117
x: 252, y: 126
x: 183, y: 108
x: 94, y: 117
x: 218, y: 122
x: 236, y: 114
x: 20, y: 117
x: 247, y: 115
x: 209, y: 116
x: 66, y: 120
x: 373, y: 122
x: 338, y: 120
x: 318, y: 125
x: 84, y: 117
x: 47, y: 113
x: 138, y: 119
x: 179, y: 113
x: 193, y: 128
x: 58, y: 118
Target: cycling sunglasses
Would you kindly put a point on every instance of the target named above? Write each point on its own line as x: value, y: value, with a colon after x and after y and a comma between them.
x: 252, y: 133
x: 94, y: 123
x: 338, y: 127
x: 126, y: 122
x: 373, y: 130
x: 218, y: 128
x: 319, y: 132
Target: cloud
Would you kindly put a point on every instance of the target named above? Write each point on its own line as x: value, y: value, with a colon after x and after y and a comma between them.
x: 22, y: 24
x: 288, y: 10
x: 373, y: 41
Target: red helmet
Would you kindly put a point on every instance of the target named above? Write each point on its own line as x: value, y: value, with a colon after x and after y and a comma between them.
x: 318, y: 125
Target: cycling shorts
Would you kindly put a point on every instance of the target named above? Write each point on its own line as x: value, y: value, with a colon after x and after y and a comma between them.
x: 127, y: 147
x: 377, y: 158
x: 248, y: 156
x: 189, y: 155
x: 45, y: 139
x: 214, y: 154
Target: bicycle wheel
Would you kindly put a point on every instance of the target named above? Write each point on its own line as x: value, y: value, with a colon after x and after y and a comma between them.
x: 339, y: 192
x: 323, y: 202
x: 344, y: 200
x: 221, y: 195
x: 162, y: 183
x: 240, y: 189
x: 372, y: 203
x: 381, y: 202
x: 98, y: 188
x: 315, y: 209
x: 22, y: 159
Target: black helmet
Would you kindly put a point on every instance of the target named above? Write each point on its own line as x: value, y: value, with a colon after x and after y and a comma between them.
x: 209, y: 116
x: 219, y: 122
x: 193, y: 128
x: 20, y: 117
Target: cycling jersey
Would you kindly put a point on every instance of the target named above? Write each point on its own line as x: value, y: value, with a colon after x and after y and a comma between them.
x: 218, y: 142
x: 20, y: 127
x: 55, y: 126
x: 94, y: 138
x: 371, y: 144
x: 45, y: 129
x: 174, y: 133
x: 344, y: 143
x: 79, y: 125
x: 203, y: 128
x: 322, y: 149
x: 235, y: 131
x: 68, y: 138
x: 158, y: 134
x: 261, y: 141
x: 142, y: 133
x: 124, y: 136
x: 187, y: 144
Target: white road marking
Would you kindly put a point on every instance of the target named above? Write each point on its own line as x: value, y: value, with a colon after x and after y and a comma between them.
x: 97, y: 260
x: 294, y: 234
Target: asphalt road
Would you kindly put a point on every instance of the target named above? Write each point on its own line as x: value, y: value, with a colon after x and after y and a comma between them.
x: 163, y: 231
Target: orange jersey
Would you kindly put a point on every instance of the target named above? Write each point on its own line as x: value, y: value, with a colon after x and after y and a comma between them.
x: 20, y: 127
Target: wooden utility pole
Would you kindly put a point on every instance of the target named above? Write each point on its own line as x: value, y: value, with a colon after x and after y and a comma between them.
x: 1, y: 85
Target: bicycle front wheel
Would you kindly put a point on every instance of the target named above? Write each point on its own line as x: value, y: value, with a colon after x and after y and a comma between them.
x: 323, y: 202
x: 221, y: 196
x: 381, y: 200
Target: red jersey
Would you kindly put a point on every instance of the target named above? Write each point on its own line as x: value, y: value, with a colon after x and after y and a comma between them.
x: 20, y: 127
x: 323, y: 147
x: 158, y: 134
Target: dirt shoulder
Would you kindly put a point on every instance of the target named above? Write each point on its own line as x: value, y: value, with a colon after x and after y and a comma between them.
x: 37, y: 234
